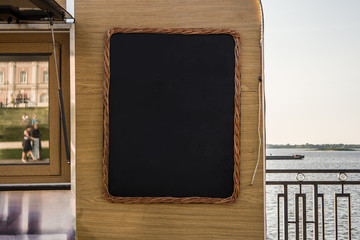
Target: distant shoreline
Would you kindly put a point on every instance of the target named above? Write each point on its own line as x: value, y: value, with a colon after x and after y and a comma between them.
x: 335, y: 149
x: 317, y: 147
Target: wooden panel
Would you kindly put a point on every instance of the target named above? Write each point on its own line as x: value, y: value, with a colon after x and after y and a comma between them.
x: 62, y: 3
x: 99, y: 219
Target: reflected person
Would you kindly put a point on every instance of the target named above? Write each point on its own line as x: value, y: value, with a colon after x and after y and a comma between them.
x: 26, y: 144
x: 36, y: 141
x: 34, y: 120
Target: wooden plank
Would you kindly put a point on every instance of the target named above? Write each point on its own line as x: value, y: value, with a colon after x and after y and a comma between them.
x: 62, y: 3
x: 99, y: 219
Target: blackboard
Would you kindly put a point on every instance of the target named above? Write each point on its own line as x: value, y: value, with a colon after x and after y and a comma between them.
x: 171, y: 115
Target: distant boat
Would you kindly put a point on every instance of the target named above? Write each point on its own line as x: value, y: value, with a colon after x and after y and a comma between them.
x: 293, y: 157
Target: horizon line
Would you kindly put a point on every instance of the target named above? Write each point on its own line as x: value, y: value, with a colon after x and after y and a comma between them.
x: 312, y: 143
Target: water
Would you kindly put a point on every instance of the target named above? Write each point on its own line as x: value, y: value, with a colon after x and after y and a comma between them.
x: 315, y: 160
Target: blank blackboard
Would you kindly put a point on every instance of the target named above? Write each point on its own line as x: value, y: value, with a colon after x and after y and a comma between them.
x: 171, y: 115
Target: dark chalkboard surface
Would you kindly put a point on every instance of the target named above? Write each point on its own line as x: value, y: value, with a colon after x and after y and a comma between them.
x: 170, y: 117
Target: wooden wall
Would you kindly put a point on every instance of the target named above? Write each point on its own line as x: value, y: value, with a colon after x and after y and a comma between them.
x: 62, y: 3
x: 100, y: 219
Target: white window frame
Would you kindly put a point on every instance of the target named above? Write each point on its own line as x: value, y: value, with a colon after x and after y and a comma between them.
x: 2, y: 76
x: 23, y: 79
x: 45, y: 79
x: 44, y: 98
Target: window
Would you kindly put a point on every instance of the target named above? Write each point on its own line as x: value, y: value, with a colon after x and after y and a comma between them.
x: 1, y: 77
x: 23, y: 76
x: 43, y: 98
x: 45, y: 76
x: 34, y: 105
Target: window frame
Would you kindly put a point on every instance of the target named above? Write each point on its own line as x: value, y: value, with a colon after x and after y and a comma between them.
x: 47, y: 76
x: 2, y: 77
x: 23, y: 77
x: 58, y: 170
x: 44, y: 95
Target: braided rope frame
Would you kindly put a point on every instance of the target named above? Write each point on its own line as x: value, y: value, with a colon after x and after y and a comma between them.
x: 236, y: 175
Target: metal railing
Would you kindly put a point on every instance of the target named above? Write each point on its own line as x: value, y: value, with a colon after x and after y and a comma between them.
x: 313, y: 215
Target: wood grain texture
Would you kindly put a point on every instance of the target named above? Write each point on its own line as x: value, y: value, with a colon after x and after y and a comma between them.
x: 236, y: 117
x: 99, y: 219
x: 62, y: 3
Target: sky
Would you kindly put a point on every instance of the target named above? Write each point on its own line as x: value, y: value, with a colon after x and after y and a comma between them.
x: 312, y: 71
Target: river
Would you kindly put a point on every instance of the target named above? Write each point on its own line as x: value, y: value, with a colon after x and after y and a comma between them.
x: 315, y: 160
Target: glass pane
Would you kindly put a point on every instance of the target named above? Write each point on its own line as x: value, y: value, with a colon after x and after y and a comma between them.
x: 24, y: 109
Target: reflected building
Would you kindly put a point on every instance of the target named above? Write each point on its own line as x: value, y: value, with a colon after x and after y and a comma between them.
x: 24, y: 84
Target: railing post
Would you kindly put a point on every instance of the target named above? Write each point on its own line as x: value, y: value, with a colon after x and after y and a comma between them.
x: 304, y: 216
x: 286, y: 217
x: 278, y: 212
x: 336, y: 217
x: 349, y: 218
x: 297, y: 223
x: 322, y: 215
x: 297, y: 215
x: 316, y: 212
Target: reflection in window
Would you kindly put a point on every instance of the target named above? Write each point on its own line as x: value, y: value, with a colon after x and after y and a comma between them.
x: 1, y: 77
x: 44, y: 98
x: 45, y: 76
x: 23, y: 77
x: 24, y: 111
